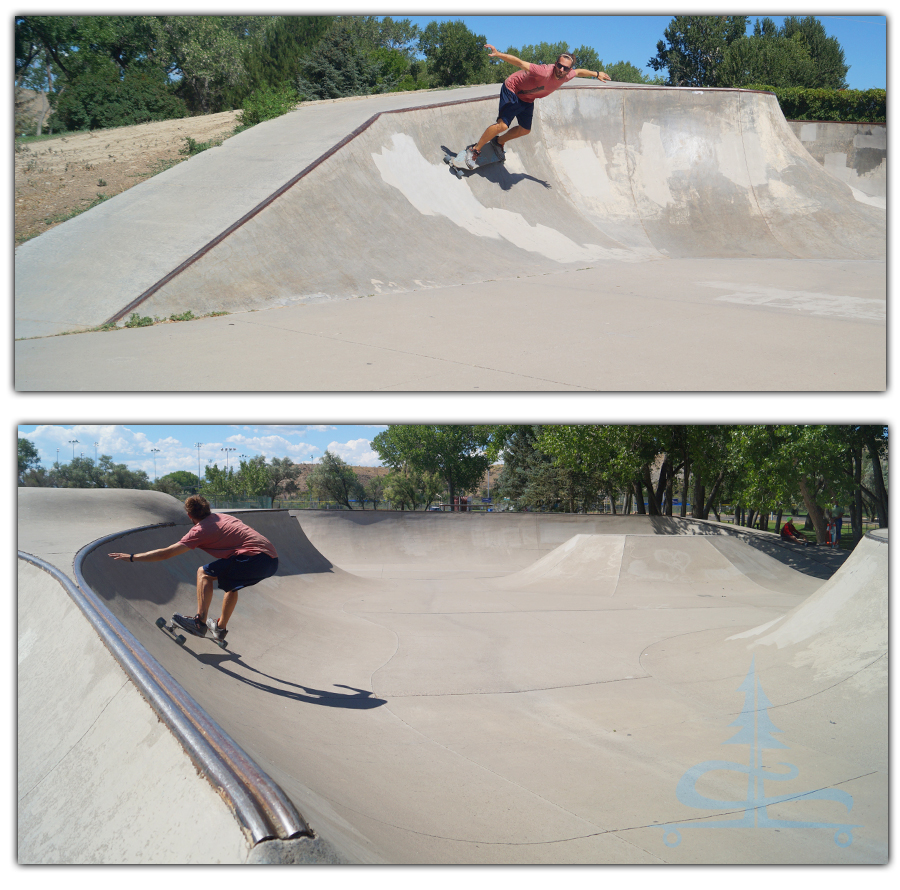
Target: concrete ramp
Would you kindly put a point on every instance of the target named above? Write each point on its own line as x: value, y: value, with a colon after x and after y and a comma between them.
x: 618, y: 173
x: 607, y: 174
x: 454, y: 717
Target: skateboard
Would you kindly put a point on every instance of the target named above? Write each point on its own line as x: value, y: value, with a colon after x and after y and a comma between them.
x: 459, y: 168
x: 176, y: 631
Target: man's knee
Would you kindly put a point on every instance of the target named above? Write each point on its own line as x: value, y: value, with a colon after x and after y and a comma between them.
x: 201, y: 575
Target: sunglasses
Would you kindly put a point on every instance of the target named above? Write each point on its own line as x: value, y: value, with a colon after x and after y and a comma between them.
x: 562, y: 67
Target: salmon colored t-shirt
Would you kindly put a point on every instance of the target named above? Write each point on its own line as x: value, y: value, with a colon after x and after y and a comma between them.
x: 221, y: 536
x: 535, y: 83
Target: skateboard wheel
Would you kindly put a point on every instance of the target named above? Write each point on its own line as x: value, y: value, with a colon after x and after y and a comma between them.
x: 180, y: 640
x: 160, y: 622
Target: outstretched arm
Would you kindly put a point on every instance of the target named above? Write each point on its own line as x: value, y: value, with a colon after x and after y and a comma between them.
x: 585, y: 72
x: 506, y: 57
x: 153, y: 555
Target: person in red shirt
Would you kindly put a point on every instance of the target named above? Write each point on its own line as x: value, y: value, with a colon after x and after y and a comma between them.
x: 789, y: 533
x: 517, y: 97
x: 243, y: 558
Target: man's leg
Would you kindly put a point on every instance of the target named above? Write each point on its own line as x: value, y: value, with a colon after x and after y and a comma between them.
x: 515, y: 133
x: 204, y: 593
x: 228, y: 603
x: 490, y: 133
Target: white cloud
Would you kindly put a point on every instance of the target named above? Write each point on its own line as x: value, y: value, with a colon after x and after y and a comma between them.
x: 357, y: 453
x: 275, y: 446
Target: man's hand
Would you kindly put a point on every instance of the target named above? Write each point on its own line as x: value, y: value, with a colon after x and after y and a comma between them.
x: 154, y: 555
x: 602, y: 75
x: 493, y: 50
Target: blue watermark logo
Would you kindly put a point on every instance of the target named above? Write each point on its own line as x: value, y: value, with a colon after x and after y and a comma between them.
x: 757, y: 731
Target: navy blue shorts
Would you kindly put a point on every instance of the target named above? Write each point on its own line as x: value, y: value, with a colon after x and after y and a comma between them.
x: 241, y: 571
x: 511, y: 106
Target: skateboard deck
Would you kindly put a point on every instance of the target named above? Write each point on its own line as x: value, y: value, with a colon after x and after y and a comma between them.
x: 459, y: 167
x: 177, y: 633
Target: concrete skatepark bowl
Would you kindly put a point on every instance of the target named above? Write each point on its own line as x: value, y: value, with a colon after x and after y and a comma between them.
x: 349, y: 258
x: 484, y: 688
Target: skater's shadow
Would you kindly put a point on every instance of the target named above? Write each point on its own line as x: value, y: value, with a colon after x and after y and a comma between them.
x: 499, y: 174
x: 357, y: 699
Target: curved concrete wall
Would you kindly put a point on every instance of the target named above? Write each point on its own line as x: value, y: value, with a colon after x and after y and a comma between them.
x: 607, y: 174
x: 855, y: 153
x: 100, y: 778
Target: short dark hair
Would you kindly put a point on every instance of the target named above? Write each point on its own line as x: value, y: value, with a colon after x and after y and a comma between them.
x: 197, y: 507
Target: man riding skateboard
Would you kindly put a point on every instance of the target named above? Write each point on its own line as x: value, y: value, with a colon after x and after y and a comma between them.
x: 517, y: 97
x: 243, y: 557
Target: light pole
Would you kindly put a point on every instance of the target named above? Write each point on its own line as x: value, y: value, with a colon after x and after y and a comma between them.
x: 226, y: 450
x: 155, y: 451
x: 95, y: 451
x: 198, y: 446
x: 73, y: 443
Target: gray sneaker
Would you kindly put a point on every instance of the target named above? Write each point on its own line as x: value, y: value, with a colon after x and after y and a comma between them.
x: 217, y: 632
x: 501, y: 153
x: 192, y: 625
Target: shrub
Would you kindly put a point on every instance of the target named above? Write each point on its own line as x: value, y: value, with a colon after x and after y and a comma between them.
x: 102, y: 99
x: 265, y: 104
x: 803, y: 104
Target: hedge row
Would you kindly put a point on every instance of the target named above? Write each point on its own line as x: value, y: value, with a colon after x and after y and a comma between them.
x: 802, y: 104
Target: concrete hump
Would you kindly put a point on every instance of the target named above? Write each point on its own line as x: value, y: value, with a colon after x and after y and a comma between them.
x: 615, y: 174
x: 587, y: 564
x: 843, y: 627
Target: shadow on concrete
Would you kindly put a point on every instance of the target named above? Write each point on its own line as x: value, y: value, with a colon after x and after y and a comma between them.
x: 360, y: 700
x: 497, y: 174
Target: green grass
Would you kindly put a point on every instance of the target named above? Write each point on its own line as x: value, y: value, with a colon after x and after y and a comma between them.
x: 137, y: 321
x: 63, y: 217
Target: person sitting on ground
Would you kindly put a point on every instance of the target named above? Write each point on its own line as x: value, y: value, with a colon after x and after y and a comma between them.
x: 243, y: 557
x: 517, y: 97
x: 789, y: 533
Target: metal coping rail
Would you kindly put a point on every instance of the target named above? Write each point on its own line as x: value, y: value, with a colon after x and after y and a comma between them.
x: 261, y: 807
x: 118, y: 316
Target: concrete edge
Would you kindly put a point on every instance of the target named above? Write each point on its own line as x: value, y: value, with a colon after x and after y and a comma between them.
x: 258, y: 804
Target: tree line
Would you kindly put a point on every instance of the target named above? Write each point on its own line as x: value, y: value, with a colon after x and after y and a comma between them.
x: 104, y: 71
x: 757, y: 471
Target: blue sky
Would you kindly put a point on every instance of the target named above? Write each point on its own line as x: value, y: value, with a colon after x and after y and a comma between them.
x: 634, y: 38
x: 131, y: 444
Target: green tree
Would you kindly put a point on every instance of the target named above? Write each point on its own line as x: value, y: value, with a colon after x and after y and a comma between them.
x: 219, y: 484
x: 458, y: 455
x: 334, y: 480
x: 82, y: 472
x: 775, y: 61
x: 374, y: 489
x: 340, y: 67
x: 206, y: 53
x: 825, y: 52
x: 105, y: 98
x: 29, y: 459
x: 400, y: 490
x: 252, y: 478
x: 185, y: 481
x: 454, y: 54
x: 275, y: 57
x: 625, y: 72
x: 695, y: 46
x: 283, y: 477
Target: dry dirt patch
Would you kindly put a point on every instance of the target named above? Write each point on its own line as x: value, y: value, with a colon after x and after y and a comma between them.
x: 60, y: 176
